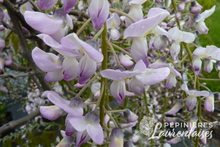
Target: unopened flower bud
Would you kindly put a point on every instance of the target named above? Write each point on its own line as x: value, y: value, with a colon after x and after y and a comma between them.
x: 117, y: 138
x: 181, y: 6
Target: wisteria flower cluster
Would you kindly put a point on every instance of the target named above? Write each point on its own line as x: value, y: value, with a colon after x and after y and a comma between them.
x: 118, y: 61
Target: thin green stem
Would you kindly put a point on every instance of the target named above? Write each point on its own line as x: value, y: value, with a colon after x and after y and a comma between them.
x: 97, y: 35
x: 121, y: 49
x: 87, y: 85
x: 122, y: 13
x: 83, y: 27
x: 114, y: 53
x: 103, y: 80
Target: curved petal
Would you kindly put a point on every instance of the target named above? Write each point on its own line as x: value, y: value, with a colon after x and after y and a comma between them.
x: 46, y: 4
x: 35, y: 19
x: 54, y: 76
x: 171, y: 81
x: 145, y: 26
x: 209, y: 103
x: 86, y: 69
x: 175, y: 108
x: 96, y: 133
x: 81, y: 138
x: 68, y: 5
x: 136, y: 86
x: 140, y: 66
x: 98, y: 11
x: 139, y: 49
x: 191, y: 102
x: 78, y: 122
x: 118, y: 91
x: 70, y: 66
x: 153, y: 76
x: 56, y: 46
x: 117, y: 74
x: 174, y: 50
x: 50, y: 112
x: 40, y: 57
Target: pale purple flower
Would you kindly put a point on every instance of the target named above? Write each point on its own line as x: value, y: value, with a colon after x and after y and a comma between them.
x: 3, y: 89
x: 26, y: 7
x: 51, y: 112
x: 74, y: 106
x: 135, y: 11
x: 171, y: 79
x: 138, y: 30
x: 209, y: 103
x: 200, y: 18
x: 53, y: 65
x: 46, y: 4
x: 178, y: 36
x: 98, y: 11
x: 210, y: 52
x: 117, y: 138
x: 95, y: 88
x: 191, y: 100
x: 68, y: 5
x: 81, y: 138
x: 125, y: 60
x: 112, y: 24
x: 90, y: 124
x: 60, y: 21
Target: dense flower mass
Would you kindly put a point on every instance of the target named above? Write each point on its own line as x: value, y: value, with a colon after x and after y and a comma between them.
x: 116, y: 63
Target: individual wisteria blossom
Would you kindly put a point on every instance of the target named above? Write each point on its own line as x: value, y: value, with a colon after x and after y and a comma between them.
x: 72, y: 48
x: 98, y: 11
x: 147, y: 76
x: 140, y: 76
x: 95, y: 88
x: 125, y: 60
x: 53, y: 65
x: 178, y: 36
x: 200, y: 20
x: 191, y: 100
x: 90, y: 124
x: 46, y: 4
x: 60, y: 21
x: 158, y: 40
x: 112, y: 24
x: 74, y: 106
x: 117, y: 138
x: 209, y: 103
x: 26, y: 7
x: 135, y: 10
x: 210, y: 53
x: 171, y: 79
x: 138, y: 30
x: 118, y: 87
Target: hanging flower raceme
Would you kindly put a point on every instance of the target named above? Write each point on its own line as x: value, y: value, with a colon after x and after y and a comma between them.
x: 98, y: 11
x: 191, y: 100
x: 210, y: 54
x: 200, y: 18
x: 138, y: 30
x: 112, y: 24
x: 178, y: 36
